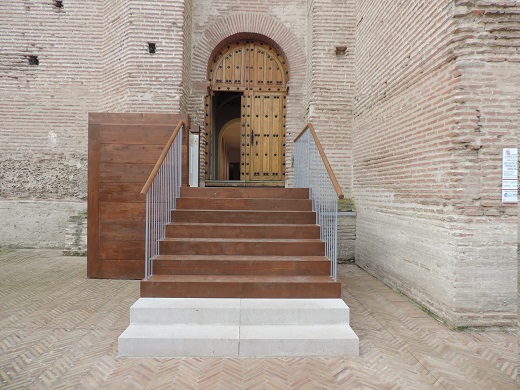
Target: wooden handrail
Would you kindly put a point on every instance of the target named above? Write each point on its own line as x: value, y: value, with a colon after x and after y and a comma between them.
x: 323, y: 157
x: 159, y: 162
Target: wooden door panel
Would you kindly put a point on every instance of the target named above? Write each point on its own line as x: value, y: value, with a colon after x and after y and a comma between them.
x: 228, y: 70
x: 246, y: 137
x: 264, y: 146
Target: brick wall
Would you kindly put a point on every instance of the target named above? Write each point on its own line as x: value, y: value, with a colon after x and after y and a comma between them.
x: 187, y: 41
x: 43, y: 108
x: 427, y: 143
x: 114, y: 44
x: 332, y: 81
x: 43, y: 115
x: 136, y: 80
x: 488, y: 53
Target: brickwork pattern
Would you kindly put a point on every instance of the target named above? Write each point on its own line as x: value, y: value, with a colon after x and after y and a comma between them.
x: 186, y: 55
x: 116, y: 22
x: 43, y: 108
x: 59, y: 330
x: 427, y: 147
x: 137, y: 80
x: 332, y: 56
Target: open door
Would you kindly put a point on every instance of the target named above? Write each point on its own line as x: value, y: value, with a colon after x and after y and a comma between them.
x: 248, y: 81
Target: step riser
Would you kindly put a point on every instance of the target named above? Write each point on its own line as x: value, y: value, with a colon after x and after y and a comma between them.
x: 239, y: 290
x: 256, y: 217
x: 243, y: 231
x: 179, y: 311
x: 238, y: 341
x: 244, y: 204
x: 287, y: 193
x: 315, y: 248
x: 322, y: 340
x: 143, y: 341
x: 224, y: 267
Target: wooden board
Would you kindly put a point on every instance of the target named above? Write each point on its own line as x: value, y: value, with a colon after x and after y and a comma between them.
x: 264, y: 150
x: 122, y: 151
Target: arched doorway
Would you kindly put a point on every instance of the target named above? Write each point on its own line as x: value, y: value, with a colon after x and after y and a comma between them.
x: 248, y: 88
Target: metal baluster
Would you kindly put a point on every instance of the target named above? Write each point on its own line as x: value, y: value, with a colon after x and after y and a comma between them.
x: 160, y: 200
x: 310, y: 172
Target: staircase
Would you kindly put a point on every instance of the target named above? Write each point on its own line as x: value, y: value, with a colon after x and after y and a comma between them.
x: 234, y: 267
x: 238, y: 242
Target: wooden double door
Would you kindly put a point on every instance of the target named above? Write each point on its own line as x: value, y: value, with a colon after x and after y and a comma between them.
x: 255, y: 74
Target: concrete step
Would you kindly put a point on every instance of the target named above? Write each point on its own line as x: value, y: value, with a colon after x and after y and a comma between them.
x: 294, y: 312
x: 205, y: 311
x: 163, y: 327
x: 298, y: 340
x: 176, y: 311
x: 191, y: 340
x: 140, y: 340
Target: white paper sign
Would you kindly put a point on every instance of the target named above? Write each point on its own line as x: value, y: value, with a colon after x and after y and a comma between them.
x: 510, y: 175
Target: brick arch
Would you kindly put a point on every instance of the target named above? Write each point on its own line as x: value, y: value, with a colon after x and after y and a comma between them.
x: 255, y: 26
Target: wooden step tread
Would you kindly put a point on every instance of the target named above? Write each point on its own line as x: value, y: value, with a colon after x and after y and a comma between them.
x: 239, y: 258
x: 240, y: 286
x: 242, y: 230
x: 241, y: 192
x: 274, y: 204
x: 250, y: 240
x: 241, y: 278
x: 293, y: 212
x: 237, y: 224
x: 244, y: 216
x: 220, y: 264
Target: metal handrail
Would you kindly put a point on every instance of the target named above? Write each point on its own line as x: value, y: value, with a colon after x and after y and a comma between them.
x: 162, y: 189
x: 312, y: 170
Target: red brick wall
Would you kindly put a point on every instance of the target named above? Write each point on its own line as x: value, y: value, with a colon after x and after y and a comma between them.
x: 331, y: 81
x: 43, y: 108
x: 429, y: 129
x: 134, y: 79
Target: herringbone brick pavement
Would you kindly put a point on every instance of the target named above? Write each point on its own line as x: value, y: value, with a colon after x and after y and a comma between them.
x: 58, y: 330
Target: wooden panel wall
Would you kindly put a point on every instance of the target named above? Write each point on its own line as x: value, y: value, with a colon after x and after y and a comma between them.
x: 122, y: 151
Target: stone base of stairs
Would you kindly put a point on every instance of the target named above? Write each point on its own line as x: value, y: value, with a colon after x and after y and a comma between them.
x: 232, y: 327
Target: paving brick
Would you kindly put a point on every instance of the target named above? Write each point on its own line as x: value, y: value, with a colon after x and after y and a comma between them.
x: 59, y: 329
